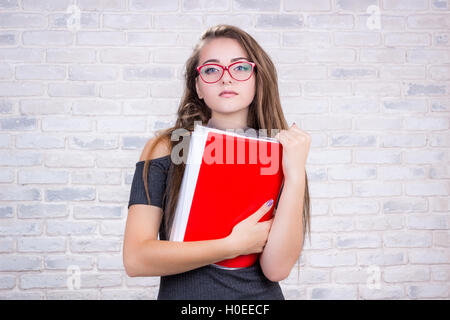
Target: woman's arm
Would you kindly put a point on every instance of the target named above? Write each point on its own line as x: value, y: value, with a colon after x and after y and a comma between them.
x: 161, y: 257
x: 145, y: 255
x: 285, y: 240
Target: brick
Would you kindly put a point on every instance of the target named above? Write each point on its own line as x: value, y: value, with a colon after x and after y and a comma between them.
x: 34, y: 244
x: 383, y: 257
x: 402, y: 72
x: 48, y: 38
x: 22, y: 20
x: 332, y: 260
x: 71, y: 90
x: 72, y: 295
x: 355, y: 140
x: 218, y: 5
x: 7, y: 282
x: 332, y: 224
x: 406, y: 274
x: 429, y: 256
x: 17, y: 193
x: 154, y: 5
x: 383, y: 55
x: 127, y: 21
x: 268, y: 5
x: 64, y: 20
x: 330, y: 21
x: 18, y: 124
x: 9, y: 4
x: 409, y: 140
x: 68, y: 124
x: 124, y: 90
x: 93, y: 73
x: 243, y: 21
x: 430, y: 123
x: 379, y: 223
x: 427, y: 291
x: 8, y: 37
x: 70, y: 55
x: 70, y: 194
x: 39, y: 141
x: 428, y: 56
x: 302, y: 72
x: 68, y: 228
x: 46, y: 5
x: 404, y: 105
x: 439, y: 4
x: 81, y: 245
x: 429, y: 21
x: 99, y: 5
x: 125, y: 55
x: 441, y: 72
x: 15, y: 262
x: 177, y: 21
x: 440, y: 105
x: 279, y: 21
x: 305, y: 5
x: 324, y: 88
x: 406, y: 239
x: 404, y: 206
x: 43, y: 281
x: 387, y: 22
x: 21, y: 89
x: 42, y: 177
x: 149, y: 38
x: 405, y: 5
x: 441, y: 39
x: 334, y: 293
x: 349, y: 276
x: 101, y: 38
x: 351, y: 174
x: 352, y: 104
x: 385, y: 292
x: 407, y: 39
x: 97, y: 212
x: 364, y: 39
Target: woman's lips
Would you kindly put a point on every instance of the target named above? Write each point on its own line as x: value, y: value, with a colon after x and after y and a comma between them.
x: 228, y: 95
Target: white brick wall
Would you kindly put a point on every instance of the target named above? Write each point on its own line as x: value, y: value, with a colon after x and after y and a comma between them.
x: 368, y: 79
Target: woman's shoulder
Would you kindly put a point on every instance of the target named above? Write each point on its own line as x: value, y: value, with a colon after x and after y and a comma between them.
x: 160, y: 150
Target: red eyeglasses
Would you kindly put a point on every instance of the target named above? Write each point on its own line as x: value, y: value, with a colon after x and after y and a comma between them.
x: 212, y: 72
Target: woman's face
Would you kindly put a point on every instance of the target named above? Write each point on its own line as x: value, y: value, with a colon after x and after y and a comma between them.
x: 224, y: 50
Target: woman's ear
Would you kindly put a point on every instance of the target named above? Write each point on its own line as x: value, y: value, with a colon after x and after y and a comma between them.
x: 198, y: 89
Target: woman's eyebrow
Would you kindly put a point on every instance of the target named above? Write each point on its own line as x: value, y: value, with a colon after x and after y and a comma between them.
x: 232, y: 60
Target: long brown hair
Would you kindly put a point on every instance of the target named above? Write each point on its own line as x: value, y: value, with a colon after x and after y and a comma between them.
x: 265, y: 112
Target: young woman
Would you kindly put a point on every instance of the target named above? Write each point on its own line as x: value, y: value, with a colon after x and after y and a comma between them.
x: 231, y: 83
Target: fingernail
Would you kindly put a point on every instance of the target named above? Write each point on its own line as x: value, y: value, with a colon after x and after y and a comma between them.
x: 269, y: 203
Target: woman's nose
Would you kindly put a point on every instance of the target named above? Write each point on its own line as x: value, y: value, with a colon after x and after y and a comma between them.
x: 226, y: 76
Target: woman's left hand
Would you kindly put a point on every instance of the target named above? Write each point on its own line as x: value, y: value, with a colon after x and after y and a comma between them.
x: 296, y: 145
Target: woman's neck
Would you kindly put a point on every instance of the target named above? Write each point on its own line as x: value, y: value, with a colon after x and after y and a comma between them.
x: 226, y: 124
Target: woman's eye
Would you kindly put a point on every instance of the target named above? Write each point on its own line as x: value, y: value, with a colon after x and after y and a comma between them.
x: 210, y: 70
x: 242, y: 67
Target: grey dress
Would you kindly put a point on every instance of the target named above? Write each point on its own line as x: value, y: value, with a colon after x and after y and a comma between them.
x: 208, y: 282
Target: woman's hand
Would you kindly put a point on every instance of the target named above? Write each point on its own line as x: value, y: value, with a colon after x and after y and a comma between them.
x: 249, y: 235
x: 296, y: 145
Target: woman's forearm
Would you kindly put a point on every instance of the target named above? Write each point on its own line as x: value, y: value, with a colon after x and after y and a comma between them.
x: 162, y: 257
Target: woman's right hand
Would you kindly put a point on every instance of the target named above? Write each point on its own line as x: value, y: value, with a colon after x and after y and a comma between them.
x: 249, y: 235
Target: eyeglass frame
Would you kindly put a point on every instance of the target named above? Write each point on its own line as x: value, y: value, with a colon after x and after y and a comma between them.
x: 226, y: 68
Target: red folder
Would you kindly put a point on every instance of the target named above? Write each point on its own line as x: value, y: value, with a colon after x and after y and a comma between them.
x: 236, y: 176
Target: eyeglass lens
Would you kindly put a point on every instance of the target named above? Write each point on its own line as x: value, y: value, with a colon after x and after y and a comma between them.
x: 239, y: 71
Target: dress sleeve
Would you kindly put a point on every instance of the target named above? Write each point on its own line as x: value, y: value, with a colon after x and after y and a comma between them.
x: 157, y: 174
